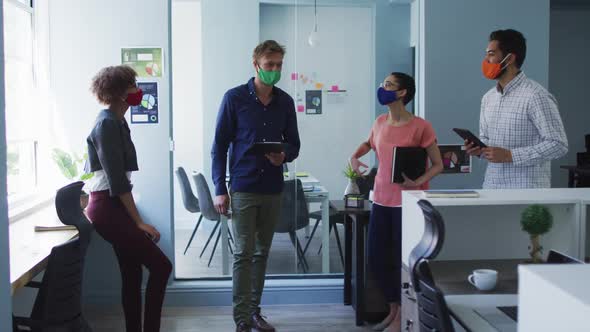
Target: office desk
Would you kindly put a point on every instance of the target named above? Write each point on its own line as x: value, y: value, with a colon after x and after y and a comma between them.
x: 488, y: 227
x: 462, y: 308
x: 354, y: 255
x: 463, y: 298
x: 29, y: 250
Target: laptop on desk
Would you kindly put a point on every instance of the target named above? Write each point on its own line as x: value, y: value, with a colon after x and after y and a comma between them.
x: 497, y: 318
x: 479, y: 312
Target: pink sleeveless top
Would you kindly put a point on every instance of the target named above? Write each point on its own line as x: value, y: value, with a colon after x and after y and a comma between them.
x: 383, y: 138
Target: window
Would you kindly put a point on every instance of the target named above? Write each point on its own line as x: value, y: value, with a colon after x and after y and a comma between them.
x: 20, y: 102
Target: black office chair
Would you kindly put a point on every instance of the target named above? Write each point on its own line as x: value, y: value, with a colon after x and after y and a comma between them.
x: 58, y: 305
x: 69, y: 211
x: 433, y: 313
x: 190, y: 202
x: 294, y: 216
x: 432, y: 239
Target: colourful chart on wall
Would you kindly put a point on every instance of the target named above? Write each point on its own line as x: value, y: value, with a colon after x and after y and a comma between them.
x: 147, y: 111
x: 313, y: 102
x: 147, y: 61
x: 455, y: 159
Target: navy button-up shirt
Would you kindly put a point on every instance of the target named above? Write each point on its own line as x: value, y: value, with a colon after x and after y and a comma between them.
x: 242, y: 121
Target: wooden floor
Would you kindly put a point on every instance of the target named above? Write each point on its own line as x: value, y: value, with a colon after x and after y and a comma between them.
x: 286, y: 318
x: 282, y: 259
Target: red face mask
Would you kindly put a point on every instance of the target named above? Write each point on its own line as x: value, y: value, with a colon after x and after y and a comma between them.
x: 493, y: 70
x: 134, y: 99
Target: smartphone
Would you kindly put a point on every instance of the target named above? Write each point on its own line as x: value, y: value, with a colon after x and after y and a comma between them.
x: 469, y: 136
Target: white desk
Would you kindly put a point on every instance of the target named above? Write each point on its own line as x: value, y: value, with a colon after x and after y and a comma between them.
x: 554, y: 297
x: 30, y: 250
x: 318, y: 195
x: 321, y: 196
x: 489, y: 226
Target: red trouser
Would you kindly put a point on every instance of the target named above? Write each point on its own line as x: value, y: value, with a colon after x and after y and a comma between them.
x: 133, y: 249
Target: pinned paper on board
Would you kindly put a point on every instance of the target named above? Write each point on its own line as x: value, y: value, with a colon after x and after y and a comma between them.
x: 455, y: 159
x: 300, y: 108
x: 319, y: 86
x: 336, y: 97
x: 147, y: 61
x: 147, y: 110
x: 334, y: 88
x: 313, y: 102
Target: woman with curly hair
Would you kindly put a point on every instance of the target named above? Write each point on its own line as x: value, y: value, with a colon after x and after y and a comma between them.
x: 112, y: 209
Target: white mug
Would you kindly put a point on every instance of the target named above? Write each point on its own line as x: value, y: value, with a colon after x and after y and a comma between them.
x: 483, y: 279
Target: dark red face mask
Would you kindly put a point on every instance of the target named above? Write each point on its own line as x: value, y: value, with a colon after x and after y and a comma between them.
x: 134, y: 99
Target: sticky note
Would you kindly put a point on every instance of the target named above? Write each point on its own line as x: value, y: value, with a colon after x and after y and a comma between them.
x: 294, y: 76
x: 334, y: 88
x: 319, y: 85
x: 300, y: 108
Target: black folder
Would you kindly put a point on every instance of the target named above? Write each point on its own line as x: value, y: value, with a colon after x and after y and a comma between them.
x: 410, y: 161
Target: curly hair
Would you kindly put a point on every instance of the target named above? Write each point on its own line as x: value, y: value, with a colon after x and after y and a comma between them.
x: 112, y: 82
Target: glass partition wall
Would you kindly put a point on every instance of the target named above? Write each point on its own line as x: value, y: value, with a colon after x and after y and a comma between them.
x: 328, y: 70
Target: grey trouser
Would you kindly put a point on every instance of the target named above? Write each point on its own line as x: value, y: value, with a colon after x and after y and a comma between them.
x: 254, y: 217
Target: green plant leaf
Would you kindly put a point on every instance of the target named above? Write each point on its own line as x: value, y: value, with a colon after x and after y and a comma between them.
x: 64, y: 162
x: 86, y: 176
x: 349, y: 172
x: 536, y: 219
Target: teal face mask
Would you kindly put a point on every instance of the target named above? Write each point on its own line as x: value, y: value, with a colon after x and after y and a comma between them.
x: 269, y: 77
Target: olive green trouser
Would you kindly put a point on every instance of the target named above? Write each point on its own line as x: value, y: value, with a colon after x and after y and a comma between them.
x: 254, y: 217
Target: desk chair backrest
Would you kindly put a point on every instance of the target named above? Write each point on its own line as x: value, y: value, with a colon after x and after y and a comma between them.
x: 59, y: 300
x: 191, y: 203
x: 294, y: 210
x: 69, y: 211
x: 556, y: 257
x: 204, y: 195
x: 432, y: 239
x: 433, y: 313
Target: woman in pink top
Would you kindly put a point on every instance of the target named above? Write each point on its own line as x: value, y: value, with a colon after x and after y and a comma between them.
x: 397, y: 128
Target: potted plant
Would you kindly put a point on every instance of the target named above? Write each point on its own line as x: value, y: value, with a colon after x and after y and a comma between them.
x: 72, y: 168
x: 536, y: 220
x: 352, y: 188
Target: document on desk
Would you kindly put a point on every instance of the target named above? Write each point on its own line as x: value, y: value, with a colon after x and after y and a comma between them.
x: 499, y: 320
x: 451, y: 193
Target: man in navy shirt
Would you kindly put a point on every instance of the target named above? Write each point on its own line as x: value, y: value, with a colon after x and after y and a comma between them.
x: 253, y: 112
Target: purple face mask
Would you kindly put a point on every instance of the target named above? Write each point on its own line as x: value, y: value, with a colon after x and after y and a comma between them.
x: 386, y: 97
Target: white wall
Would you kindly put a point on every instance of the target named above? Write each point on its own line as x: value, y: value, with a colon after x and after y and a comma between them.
x: 453, y: 38
x: 568, y: 76
x: 86, y: 36
x: 344, y: 56
x: 5, y: 300
x: 187, y: 98
x: 230, y: 30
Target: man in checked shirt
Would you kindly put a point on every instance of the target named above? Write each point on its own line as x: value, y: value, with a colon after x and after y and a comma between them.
x: 519, y: 120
